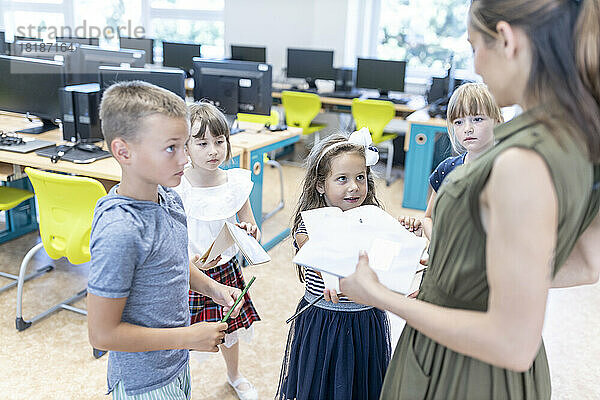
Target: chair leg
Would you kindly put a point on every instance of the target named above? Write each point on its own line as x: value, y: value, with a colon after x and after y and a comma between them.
x: 280, y: 205
x: 389, y: 162
x: 22, y: 324
x: 40, y: 271
x: 99, y: 353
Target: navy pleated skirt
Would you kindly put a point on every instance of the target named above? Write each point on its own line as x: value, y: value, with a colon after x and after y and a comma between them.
x: 338, y: 352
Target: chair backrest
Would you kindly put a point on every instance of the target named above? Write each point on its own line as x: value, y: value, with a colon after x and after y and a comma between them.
x: 374, y: 114
x: 66, y: 205
x: 300, y: 108
x: 272, y: 119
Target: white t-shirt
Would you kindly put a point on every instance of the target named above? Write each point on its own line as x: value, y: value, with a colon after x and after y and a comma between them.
x: 207, y: 209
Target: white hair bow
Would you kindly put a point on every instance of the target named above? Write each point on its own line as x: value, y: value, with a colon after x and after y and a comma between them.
x: 363, y: 138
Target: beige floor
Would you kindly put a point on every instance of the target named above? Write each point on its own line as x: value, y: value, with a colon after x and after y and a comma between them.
x: 53, y: 359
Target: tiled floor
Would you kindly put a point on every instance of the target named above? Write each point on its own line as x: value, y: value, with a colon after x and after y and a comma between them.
x: 53, y: 359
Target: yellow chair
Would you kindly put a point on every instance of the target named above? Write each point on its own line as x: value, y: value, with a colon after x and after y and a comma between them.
x: 375, y: 115
x: 300, y: 109
x: 271, y: 120
x: 66, y: 206
x: 9, y: 199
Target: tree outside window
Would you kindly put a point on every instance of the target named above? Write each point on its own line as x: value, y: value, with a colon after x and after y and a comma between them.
x: 425, y: 33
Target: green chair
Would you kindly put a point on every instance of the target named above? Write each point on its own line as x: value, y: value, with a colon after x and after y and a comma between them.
x: 9, y: 199
x: 66, y: 205
x: 375, y: 115
x: 271, y: 120
x: 300, y: 109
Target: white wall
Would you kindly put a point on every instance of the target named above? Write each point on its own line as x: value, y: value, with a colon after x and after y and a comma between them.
x: 279, y: 24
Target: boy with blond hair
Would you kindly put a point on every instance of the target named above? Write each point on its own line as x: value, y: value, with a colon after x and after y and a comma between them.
x: 140, y: 272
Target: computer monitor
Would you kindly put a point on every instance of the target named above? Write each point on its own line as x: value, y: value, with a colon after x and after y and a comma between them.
x: 170, y: 79
x: 249, y: 53
x: 92, y: 41
x: 234, y: 86
x: 90, y: 58
x: 310, y: 65
x: 179, y: 55
x: 383, y: 75
x: 3, y: 49
x: 139, y: 44
x: 26, y: 39
x: 439, y: 89
x: 31, y: 86
x: 66, y: 53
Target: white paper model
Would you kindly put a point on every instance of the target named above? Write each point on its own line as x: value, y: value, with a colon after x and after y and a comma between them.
x: 336, y: 237
x: 229, y: 235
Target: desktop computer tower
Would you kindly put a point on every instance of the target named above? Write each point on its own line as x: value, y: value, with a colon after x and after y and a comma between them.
x: 80, y: 112
x: 67, y: 113
x: 344, y: 79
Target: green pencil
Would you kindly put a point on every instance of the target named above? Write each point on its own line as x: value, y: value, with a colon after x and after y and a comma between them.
x: 241, y: 296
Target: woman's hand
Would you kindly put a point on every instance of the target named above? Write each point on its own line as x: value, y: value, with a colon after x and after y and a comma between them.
x: 363, y: 285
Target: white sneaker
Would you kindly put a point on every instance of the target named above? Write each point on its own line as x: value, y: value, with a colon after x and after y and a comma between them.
x: 248, y: 394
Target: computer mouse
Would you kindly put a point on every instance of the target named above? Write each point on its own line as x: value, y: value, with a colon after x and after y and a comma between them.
x: 88, y: 147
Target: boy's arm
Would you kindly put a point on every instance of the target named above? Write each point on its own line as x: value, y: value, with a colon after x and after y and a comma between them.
x: 107, y: 332
x: 111, y: 273
x: 221, y: 294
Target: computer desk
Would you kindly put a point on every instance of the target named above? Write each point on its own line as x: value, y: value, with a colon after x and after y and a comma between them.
x: 344, y: 105
x: 419, y: 145
x: 256, y: 142
x: 248, y: 149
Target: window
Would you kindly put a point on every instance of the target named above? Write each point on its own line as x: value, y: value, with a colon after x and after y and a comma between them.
x: 103, y: 19
x: 209, y: 34
x: 32, y: 24
x: 212, y: 5
x: 189, y: 21
x: 31, y: 18
x: 196, y: 21
x: 425, y: 33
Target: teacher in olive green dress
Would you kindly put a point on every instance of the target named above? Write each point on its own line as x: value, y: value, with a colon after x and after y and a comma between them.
x: 513, y: 223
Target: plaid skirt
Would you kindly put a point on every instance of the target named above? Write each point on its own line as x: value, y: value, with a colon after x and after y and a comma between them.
x: 203, y: 308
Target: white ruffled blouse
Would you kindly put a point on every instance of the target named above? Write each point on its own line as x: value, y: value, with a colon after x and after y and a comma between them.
x: 207, y: 209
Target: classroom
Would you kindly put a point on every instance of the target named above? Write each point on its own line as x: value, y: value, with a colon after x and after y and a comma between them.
x: 163, y: 164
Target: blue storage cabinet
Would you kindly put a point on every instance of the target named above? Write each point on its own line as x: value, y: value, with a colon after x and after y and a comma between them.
x: 421, y: 137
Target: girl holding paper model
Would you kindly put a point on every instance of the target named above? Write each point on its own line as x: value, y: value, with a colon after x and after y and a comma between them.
x: 471, y: 117
x: 519, y: 220
x: 336, y: 349
x: 211, y: 196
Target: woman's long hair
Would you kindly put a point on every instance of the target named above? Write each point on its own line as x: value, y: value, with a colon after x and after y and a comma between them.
x: 565, y: 69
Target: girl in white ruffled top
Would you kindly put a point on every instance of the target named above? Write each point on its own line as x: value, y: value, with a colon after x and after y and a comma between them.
x: 210, y: 197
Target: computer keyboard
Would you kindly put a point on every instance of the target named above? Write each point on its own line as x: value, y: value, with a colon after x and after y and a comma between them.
x: 342, y: 95
x: 395, y: 100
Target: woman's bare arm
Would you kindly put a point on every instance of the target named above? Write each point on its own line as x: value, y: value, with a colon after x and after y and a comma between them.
x: 583, y: 265
x: 521, y: 235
